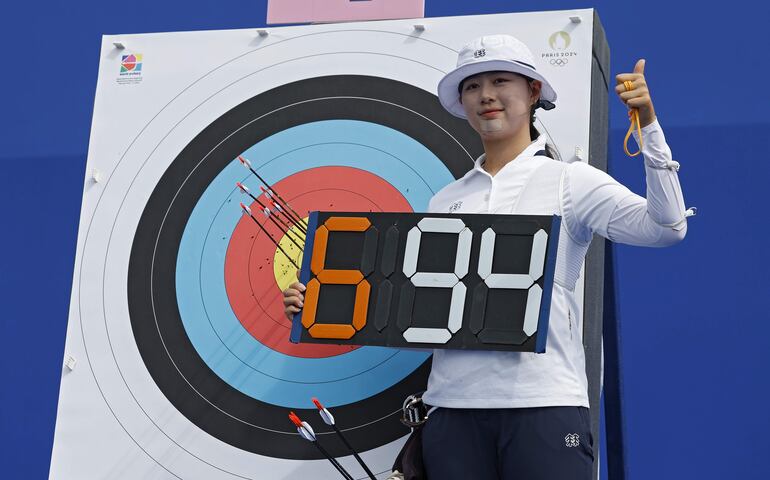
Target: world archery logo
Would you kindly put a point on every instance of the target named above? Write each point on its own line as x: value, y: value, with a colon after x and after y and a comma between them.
x: 131, y: 63
x: 130, y: 69
x: 572, y: 439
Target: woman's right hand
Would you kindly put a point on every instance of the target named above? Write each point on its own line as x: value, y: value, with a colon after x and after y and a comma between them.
x: 293, y: 298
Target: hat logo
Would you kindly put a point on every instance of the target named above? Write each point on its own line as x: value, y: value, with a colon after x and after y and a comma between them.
x: 479, y: 53
x: 560, y: 40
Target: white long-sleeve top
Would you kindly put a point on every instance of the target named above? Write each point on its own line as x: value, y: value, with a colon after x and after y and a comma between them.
x: 589, y: 201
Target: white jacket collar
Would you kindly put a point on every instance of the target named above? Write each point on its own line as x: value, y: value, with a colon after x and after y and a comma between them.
x: 529, y: 152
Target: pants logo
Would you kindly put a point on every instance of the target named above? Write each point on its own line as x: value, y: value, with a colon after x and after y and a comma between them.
x: 572, y: 439
x: 480, y: 53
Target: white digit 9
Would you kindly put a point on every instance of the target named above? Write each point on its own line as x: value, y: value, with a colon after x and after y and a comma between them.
x: 439, y: 279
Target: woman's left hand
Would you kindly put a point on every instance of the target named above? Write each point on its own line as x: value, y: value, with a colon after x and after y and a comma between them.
x: 639, y: 97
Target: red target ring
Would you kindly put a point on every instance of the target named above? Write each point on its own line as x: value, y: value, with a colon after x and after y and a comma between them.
x: 252, y: 289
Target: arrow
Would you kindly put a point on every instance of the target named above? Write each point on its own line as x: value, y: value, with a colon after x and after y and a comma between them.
x: 247, y: 211
x: 247, y: 164
x: 306, y: 431
x: 328, y: 419
x: 289, y: 233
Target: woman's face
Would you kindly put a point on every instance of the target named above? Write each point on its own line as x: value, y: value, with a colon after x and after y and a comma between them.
x: 498, y: 104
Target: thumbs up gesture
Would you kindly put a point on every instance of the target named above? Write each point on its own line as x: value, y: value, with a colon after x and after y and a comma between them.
x: 639, y: 96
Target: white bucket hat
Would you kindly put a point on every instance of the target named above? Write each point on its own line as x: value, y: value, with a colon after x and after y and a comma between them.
x: 486, y: 54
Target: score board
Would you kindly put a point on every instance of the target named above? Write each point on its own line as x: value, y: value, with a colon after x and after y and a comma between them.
x: 463, y: 281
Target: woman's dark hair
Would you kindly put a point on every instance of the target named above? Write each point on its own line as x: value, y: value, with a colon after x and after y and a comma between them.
x: 534, y: 133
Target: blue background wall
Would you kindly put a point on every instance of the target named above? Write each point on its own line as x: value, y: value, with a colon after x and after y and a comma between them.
x: 695, y: 317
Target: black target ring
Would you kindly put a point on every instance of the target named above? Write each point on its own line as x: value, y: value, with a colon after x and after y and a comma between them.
x: 172, y: 361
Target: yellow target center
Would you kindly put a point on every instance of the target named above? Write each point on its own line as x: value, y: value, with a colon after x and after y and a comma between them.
x: 285, y: 272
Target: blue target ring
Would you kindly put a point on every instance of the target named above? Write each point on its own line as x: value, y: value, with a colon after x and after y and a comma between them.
x: 216, y: 333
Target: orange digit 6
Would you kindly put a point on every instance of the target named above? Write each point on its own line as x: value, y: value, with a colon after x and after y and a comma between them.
x: 341, y: 331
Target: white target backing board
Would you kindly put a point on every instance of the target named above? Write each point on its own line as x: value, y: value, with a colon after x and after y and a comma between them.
x: 182, y: 367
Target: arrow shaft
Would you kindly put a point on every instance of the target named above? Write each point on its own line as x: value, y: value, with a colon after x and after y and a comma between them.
x: 289, y: 230
x: 333, y: 461
x: 274, y: 241
x: 282, y: 211
x: 298, y: 219
x: 289, y: 233
x: 355, y: 454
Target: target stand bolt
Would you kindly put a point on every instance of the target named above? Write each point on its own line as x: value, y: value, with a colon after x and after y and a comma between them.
x: 70, y: 362
x: 579, y: 152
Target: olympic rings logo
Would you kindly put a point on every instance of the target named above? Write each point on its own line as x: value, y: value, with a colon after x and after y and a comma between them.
x: 559, y: 62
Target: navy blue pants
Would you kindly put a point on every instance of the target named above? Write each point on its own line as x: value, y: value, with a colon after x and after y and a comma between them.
x: 542, y: 443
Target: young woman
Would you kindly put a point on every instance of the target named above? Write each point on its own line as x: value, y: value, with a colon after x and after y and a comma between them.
x: 510, y: 415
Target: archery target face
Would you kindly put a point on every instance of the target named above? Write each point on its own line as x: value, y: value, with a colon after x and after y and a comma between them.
x: 176, y: 310
x: 212, y: 325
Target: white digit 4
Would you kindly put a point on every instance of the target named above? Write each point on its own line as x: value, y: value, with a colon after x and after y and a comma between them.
x: 518, y: 281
